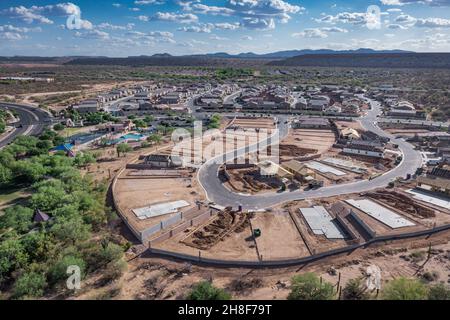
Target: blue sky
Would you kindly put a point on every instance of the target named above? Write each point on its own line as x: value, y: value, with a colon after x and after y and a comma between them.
x: 144, y: 27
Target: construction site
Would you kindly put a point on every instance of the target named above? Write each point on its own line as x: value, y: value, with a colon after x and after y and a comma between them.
x: 162, y: 200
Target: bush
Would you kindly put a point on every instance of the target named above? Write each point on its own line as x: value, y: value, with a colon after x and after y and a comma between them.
x: 439, y: 292
x: 31, y: 285
x: 206, y: 291
x: 113, y: 271
x: 405, y: 289
x: 58, y: 127
x: 58, y: 272
x: 18, y: 218
x: 12, y: 257
x: 308, y: 287
x: 100, y: 256
x: 123, y: 148
x: 355, y: 290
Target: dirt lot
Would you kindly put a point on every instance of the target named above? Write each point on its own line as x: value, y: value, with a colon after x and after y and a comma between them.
x: 320, y: 140
x: 280, y: 238
x: 132, y: 193
x: 249, y: 181
x: 68, y: 97
x: 236, y: 246
x: 258, y: 123
x: 349, y: 124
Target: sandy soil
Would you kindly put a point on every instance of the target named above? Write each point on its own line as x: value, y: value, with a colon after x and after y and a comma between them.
x: 322, y: 140
x: 236, y: 246
x: 280, y: 238
x: 260, y: 123
x: 142, y: 192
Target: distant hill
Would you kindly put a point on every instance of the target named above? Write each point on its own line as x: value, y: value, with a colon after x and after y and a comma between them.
x: 369, y: 60
x: 294, y: 53
x: 168, y: 60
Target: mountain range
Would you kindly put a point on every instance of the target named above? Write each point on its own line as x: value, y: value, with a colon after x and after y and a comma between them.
x: 295, y: 53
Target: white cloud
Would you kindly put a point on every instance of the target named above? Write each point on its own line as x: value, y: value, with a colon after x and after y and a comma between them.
x: 311, y: 33
x: 41, y: 14
x: 197, y: 29
x: 174, y: 17
x: 405, y: 19
x: 355, y: 18
x: 255, y: 14
x: 396, y: 26
x: 211, y: 10
x: 147, y: 2
x: 227, y: 26
x: 109, y: 26
x: 13, y: 33
x: 217, y: 38
x: 318, y: 32
x: 93, y: 34
x: 433, y: 23
x: 258, y: 23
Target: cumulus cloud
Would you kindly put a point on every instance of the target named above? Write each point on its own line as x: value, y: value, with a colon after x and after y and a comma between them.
x: 254, y: 14
x: 318, y: 32
x: 197, y: 29
x: 210, y: 10
x: 258, y: 23
x: 109, y: 26
x: 209, y: 27
x: 434, y: 42
x: 396, y: 26
x: 42, y: 14
x: 147, y: 2
x: 93, y: 34
x: 174, y: 17
x: 311, y: 33
x: 227, y: 26
x: 355, y: 18
x: 13, y: 33
x: 151, y: 37
x: 433, y: 23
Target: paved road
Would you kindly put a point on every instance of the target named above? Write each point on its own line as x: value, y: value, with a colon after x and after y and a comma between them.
x: 32, y: 121
x: 216, y: 192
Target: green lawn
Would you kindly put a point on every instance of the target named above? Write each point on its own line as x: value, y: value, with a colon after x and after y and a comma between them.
x: 68, y: 132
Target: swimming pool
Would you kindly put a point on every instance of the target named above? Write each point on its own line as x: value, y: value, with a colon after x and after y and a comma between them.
x: 126, y: 138
x: 132, y: 136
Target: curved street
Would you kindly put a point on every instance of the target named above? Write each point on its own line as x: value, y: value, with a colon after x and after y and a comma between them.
x: 32, y: 121
x: 217, y: 193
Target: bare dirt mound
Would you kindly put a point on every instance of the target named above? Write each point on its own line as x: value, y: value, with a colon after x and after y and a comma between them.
x: 225, y: 223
